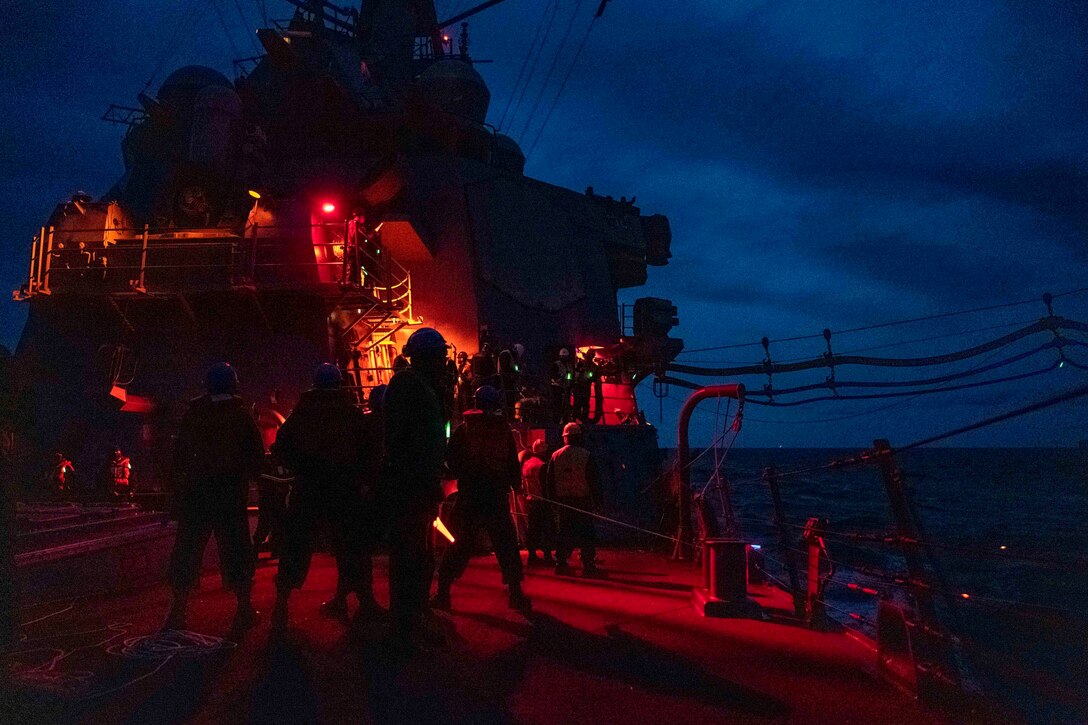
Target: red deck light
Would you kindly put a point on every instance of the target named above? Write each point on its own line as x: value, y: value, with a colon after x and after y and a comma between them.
x: 328, y: 207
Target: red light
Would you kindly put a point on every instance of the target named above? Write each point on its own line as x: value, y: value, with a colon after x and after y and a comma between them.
x: 328, y: 207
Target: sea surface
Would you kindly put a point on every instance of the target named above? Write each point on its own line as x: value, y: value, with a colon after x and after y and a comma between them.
x: 1006, y: 531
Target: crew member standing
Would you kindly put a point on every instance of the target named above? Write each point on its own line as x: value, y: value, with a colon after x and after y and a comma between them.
x: 483, y: 457
x: 572, y: 482
x: 121, y: 476
x: 62, y: 469
x: 465, y: 387
x: 580, y: 388
x: 217, y: 453
x: 410, y: 486
x: 324, y: 441
x: 562, y: 376
x: 540, y: 533
x: 593, y: 376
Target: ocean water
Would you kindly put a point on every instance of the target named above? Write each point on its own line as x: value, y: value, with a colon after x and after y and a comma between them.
x: 1006, y: 527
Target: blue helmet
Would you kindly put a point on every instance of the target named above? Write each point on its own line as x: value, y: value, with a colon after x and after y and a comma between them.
x: 488, y: 399
x: 376, y: 398
x: 221, y: 379
x: 424, y: 341
x: 327, y: 377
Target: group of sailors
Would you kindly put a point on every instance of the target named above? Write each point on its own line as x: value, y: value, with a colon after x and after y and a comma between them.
x: 117, y: 475
x: 573, y: 381
x: 364, y: 476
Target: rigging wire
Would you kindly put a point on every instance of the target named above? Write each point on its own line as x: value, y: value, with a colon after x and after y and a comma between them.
x: 1073, y: 394
x: 1052, y: 324
x: 885, y: 346
x: 877, y: 396
x: 525, y: 63
x: 536, y: 62
x: 562, y: 87
x: 550, y: 71
x: 246, y: 28
x: 890, y: 324
x: 263, y: 10
x: 226, y: 29
x: 169, y: 50
x: 916, y: 382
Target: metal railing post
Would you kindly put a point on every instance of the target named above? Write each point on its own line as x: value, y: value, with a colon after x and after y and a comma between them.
x: 41, y: 260
x: 31, y: 281
x: 48, y: 262
x: 140, y: 287
x: 814, y: 606
x: 934, y: 647
x: 770, y: 477
x: 252, y: 272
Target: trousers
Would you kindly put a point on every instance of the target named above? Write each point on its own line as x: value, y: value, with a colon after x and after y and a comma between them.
x: 411, y: 563
x: 340, y: 513
x: 575, y: 531
x: 197, y: 521
x: 490, y: 513
x: 540, y: 532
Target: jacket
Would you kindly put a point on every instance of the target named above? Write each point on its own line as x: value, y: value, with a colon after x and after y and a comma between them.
x: 218, y: 448
x: 414, y: 439
x: 325, y: 440
x: 483, y: 456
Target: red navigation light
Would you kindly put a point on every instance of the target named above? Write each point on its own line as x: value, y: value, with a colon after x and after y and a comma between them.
x: 328, y: 207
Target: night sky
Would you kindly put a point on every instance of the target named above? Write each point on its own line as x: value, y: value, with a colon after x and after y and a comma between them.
x: 823, y: 164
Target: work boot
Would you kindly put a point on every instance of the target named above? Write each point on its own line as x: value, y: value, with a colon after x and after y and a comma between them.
x: 590, y: 571
x: 369, y: 608
x: 335, y: 608
x: 176, y: 618
x: 518, y: 600
x: 245, y: 616
x: 442, y: 600
x: 562, y: 568
x: 279, y: 614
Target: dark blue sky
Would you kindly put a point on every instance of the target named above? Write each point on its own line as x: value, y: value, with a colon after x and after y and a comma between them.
x: 831, y: 164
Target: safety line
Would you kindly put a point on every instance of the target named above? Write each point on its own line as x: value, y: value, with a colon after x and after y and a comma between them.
x: 864, y: 328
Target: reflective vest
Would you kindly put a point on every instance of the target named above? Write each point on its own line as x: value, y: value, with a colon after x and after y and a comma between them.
x: 120, y: 469
x: 562, y: 374
x: 569, y: 465
x: 530, y: 476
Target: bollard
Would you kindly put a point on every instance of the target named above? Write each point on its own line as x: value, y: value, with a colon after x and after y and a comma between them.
x: 725, y: 580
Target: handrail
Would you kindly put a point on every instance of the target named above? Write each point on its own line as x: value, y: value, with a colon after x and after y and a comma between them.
x: 252, y: 248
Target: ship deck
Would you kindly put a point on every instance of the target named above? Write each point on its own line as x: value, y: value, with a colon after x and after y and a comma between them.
x: 630, y: 649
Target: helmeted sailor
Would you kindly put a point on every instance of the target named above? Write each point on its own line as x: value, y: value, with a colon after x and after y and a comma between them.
x: 572, y: 483
x: 410, y: 487
x: 483, y: 457
x: 325, y: 442
x: 217, y: 453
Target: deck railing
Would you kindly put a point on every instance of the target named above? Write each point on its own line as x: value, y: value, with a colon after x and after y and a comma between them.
x: 146, y: 260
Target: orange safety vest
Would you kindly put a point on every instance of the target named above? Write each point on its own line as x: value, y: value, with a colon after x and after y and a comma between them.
x: 121, y: 470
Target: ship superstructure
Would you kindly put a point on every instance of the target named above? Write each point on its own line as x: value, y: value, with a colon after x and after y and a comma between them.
x: 341, y: 191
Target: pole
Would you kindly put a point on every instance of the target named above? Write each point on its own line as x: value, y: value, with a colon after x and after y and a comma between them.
x: 684, y: 539
x: 770, y: 477
x: 814, y: 608
x: 143, y: 262
x: 932, y: 647
x: 48, y: 262
x: 30, y: 279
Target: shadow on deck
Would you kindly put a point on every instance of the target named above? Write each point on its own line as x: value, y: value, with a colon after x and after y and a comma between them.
x: 629, y: 649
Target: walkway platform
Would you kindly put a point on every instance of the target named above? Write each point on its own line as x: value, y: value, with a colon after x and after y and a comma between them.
x: 631, y: 649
